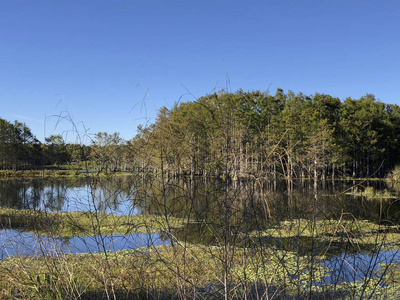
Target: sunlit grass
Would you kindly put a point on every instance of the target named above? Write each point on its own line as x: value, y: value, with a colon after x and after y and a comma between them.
x: 356, y: 232
x: 165, y: 271
x: 70, y: 224
x: 160, y: 270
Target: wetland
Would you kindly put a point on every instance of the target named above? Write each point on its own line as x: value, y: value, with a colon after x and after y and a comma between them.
x: 336, y: 239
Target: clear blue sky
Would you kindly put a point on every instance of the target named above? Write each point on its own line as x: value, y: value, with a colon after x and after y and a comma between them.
x: 114, y: 63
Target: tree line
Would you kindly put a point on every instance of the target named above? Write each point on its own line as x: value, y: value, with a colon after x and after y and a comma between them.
x: 258, y: 134
x: 240, y: 134
x: 20, y: 150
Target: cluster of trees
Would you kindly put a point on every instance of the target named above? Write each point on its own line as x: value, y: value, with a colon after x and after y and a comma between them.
x: 241, y: 134
x: 20, y: 149
x: 258, y: 134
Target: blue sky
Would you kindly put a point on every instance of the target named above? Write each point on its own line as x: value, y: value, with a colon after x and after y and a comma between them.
x: 112, y: 64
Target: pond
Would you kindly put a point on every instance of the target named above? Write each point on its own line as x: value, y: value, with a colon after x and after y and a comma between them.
x: 234, y: 212
x: 254, y: 204
x: 129, y: 195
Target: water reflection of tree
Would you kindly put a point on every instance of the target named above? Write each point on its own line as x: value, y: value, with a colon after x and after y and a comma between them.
x: 108, y: 194
x: 253, y: 205
x: 60, y: 195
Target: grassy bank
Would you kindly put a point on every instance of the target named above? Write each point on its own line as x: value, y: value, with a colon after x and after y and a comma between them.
x: 360, y: 234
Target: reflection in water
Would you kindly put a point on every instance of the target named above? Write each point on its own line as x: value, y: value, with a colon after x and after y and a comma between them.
x: 83, y: 194
x: 255, y: 205
x: 218, y: 214
x: 215, y: 207
x: 13, y: 242
x: 201, y: 199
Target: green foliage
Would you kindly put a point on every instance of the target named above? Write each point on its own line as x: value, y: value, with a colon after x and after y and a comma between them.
x: 257, y: 134
x: 370, y: 193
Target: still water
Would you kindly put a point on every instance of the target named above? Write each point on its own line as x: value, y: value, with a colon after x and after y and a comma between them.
x: 66, y: 195
x: 247, y: 205
x: 200, y: 199
x: 14, y: 242
x: 241, y: 208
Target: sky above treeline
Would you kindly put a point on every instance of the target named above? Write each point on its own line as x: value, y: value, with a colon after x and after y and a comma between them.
x: 108, y: 66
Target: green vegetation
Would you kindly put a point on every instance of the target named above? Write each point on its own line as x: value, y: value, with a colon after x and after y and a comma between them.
x: 394, y: 175
x: 181, y: 272
x: 262, y: 135
x: 83, y: 223
x: 55, y: 174
x: 371, y: 193
x: 141, y: 273
x: 360, y: 234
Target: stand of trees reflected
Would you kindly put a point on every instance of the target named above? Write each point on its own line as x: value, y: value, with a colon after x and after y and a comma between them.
x: 254, y: 205
x: 251, y: 206
x: 67, y: 194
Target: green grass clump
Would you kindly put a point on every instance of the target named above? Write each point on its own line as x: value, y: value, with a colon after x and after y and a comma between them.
x: 370, y: 193
x: 83, y: 223
x: 394, y: 175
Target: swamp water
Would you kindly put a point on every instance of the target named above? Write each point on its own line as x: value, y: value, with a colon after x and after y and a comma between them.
x: 58, y: 196
x: 244, y: 211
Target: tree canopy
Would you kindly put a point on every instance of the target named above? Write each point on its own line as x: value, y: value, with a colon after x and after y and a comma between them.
x: 257, y: 134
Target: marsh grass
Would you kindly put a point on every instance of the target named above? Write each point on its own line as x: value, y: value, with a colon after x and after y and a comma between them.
x: 361, y: 232
x: 69, y: 224
x: 151, y: 273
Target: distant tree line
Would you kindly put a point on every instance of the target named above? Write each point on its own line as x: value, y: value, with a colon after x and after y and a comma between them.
x: 20, y: 149
x: 241, y: 134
